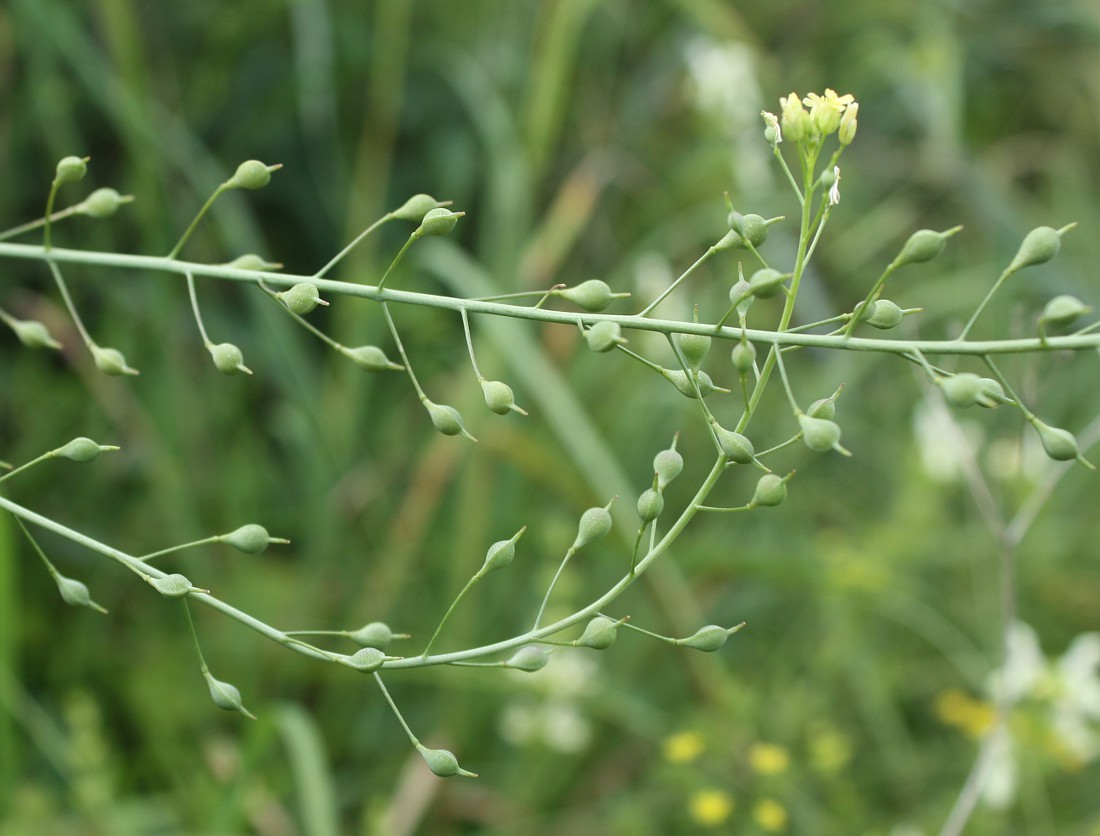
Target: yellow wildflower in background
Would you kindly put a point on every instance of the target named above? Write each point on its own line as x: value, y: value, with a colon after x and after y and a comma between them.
x: 683, y: 747
x: 770, y: 815
x: 769, y: 758
x: 710, y: 807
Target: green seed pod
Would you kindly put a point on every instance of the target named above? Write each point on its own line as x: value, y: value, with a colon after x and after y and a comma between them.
x: 823, y: 408
x: 766, y: 282
x: 650, y: 505
x: 681, y: 381
x: 1059, y: 444
x: 741, y: 295
x: 75, y: 594
x: 438, y: 221
x: 70, y: 170
x: 111, y: 361
x: 707, y: 639
x: 367, y: 660
x: 735, y: 447
x: 447, y: 419
x: 251, y: 261
x: 668, y: 464
x: 884, y: 315
x: 990, y: 393
x: 416, y: 207
x: 743, y: 357
x: 102, y: 203
x: 1062, y: 311
x: 529, y: 658
x: 734, y: 220
x: 730, y: 241
x: 33, y: 334
x: 694, y: 347
x: 443, y: 763
x: 376, y: 634
x: 770, y: 491
x: 371, y: 358
x: 599, y: 633
x: 501, y: 553
x: 754, y: 229
x: 499, y: 397
x: 820, y: 434
x: 250, y: 539
x: 302, y: 298
x: 604, y: 336
x: 924, y: 245
x: 251, y: 174
x: 1039, y: 245
x: 226, y: 696
x: 228, y: 359
x: 595, y: 523
x: 960, y: 390
x: 173, y: 586
x: 82, y: 450
x: 593, y: 295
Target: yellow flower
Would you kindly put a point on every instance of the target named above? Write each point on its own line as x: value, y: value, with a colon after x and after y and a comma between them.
x: 972, y: 717
x: 825, y: 111
x: 769, y: 758
x: 710, y: 807
x: 683, y: 747
x: 770, y: 815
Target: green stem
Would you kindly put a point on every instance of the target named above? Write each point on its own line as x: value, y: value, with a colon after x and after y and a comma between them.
x: 340, y: 255
x: 195, y: 221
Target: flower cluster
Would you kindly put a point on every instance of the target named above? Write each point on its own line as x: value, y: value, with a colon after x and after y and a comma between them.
x: 828, y: 114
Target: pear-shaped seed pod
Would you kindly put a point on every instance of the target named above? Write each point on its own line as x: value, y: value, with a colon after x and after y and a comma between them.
x: 443, y: 763
x: 438, y: 221
x: 529, y: 658
x: 604, y: 336
x: 885, y: 315
x: 70, y: 170
x: 376, y: 634
x: 111, y: 361
x: 593, y: 295
x: 990, y: 393
x: 1039, y: 245
x: 735, y: 447
x: 447, y: 420
x: 33, y: 334
x: 226, y: 696
x: 416, y: 207
x: 732, y: 240
x: 594, y: 524
x: 75, y: 594
x: 301, y: 298
x: 1063, y: 310
x: 741, y: 295
x: 250, y: 539
x: 371, y: 358
x: 499, y: 397
x: 708, y: 639
x: 650, y: 505
x: 771, y: 490
x: 599, y: 633
x: 172, y: 586
x: 1059, y: 444
x: 823, y: 408
x: 743, y: 357
x: 924, y: 245
x: 251, y: 174
x: 681, y: 381
x: 766, y: 282
x: 102, y: 203
x: 367, y: 660
x: 819, y: 434
x: 695, y: 348
x: 228, y: 359
x: 668, y: 464
x: 961, y: 390
x: 754, y: 229
x: 251, y: 261
x: 501, y: 553
x: 82, y: 450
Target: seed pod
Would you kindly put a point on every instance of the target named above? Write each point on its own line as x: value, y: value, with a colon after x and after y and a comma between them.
x: 650, y: 505
x: 743, y: 357
x: 82, y: 450
x: 1062, y: 311
x: 823, y: 408
x: 1059, y: 444
x: 102, y: 203
x: 679, y: 379
x: 594, y: 524
x: 1038, y: 246
x: 735, y: 220
x: 766, y: 282
x: 376, y: 634
x: 735, y: 447
x: 754, y: 229
x: 960, y: 390
x: 529, y: 658
x: 33, y: 334
x: 226, y: 696
x: 694, y: 347
x: 667, y: 464
x: 370, y: 358
x: 228, y: 359
x: 593, y: 295
x: 884, y: 315
x: 416, y: 207
x: 770, y: 491
x: 599, y: 633
x: 442, y: 762
x: 604, y: 336
x: 301, y: 298
x: 730, y: 241
x: 499, y: 397
x: 173, y: 586
x: 111, y: 361
x: 251, y: 174
x: 990, y: 393
x: 501, y: 553
x: 75, y: 594
x: 250, y: 539
x: 709, y: 638
x: 438, y: 221
x: 924, y: 245
x: 447, y: 419
x: 251, y: 261
x: 70, y: 170
x: 820, y: 434
x: 367, y: 660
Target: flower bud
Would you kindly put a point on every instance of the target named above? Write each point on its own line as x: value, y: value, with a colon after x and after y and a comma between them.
x: 820, y: 434
x: 82, y: 450
x: 794, y: 120
x: 174, y: 586
x: 102, y: 203
x: 884, y: 315
x: 709, y: 638
x: 443, y: 763
x: 251, y: 261
x: 416, y: 207
x: 679, y: 379
x: 376, y: 634
x: 961, y: 390
x: 924, y: 245
x: 1062, y: 311
x: 367, y: 660
x: 770, y: 491
x: 604, y: 336
x: 226, y: 696
x: 438, y: 221
x: 301, y: 298
x: 250, y: 539
x: 990, y: 393
x: 75, y: 594
x: 595, y: 523
x: 694, y: 347
x: 371, y: 358
x: 1039, y: 245
x: 848, y: 124
x: 772, y: 132
x: 70, y: 170
x: 1059, y: 444
x: 667, y: 464
x: 766, y: 282
x: 111, y: 361
x: 743, y: 357
x: 228, y: 359
x: 599, y: 633
x: 499, y: 397
x: 529, y: 658
x: 251, y: 174
x: 735, y: 447
x: 33, y: 334
x: 593, y: 295
x: 650, y: 505
x: 501, y: 553
x: 447, y: 419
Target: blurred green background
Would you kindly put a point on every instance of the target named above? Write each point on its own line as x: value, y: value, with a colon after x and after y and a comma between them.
x: 584, y: 140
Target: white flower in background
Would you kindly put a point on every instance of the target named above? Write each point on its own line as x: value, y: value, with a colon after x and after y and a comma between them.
x: 999, y: 789
x: 944, y: 441
x: 553, y: 715
x: 1077, y: 697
